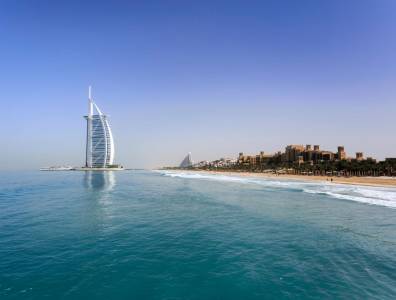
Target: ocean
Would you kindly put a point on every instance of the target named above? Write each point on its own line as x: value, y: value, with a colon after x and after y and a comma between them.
x: 175, y: 235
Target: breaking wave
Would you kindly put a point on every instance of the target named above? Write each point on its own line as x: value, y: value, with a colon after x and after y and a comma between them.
x: 365, y: 194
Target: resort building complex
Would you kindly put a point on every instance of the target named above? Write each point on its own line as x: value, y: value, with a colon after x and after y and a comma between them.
x: 100, y: 143
x: 299, y: 159
x: 297, y: 155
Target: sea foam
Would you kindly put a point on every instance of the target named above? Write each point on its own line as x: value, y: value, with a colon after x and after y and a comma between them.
x: 383, y: 196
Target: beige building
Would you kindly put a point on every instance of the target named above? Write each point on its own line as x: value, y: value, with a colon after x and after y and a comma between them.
x: 359, y: 156
x: 292, y: 152
x: 341, y: 155
x: 295, y: 154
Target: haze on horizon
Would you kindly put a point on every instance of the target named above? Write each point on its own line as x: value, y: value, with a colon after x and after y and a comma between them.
x: 211, y: 77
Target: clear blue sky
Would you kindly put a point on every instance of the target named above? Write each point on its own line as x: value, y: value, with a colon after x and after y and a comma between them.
x: 210, y: 77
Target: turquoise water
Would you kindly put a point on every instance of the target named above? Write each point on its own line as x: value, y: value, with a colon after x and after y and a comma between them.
x: 152, y: 235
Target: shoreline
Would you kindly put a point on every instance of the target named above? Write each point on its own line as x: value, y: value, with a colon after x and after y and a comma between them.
x: 82, y: 169
x: 98, y: 169
x: 362, y: 181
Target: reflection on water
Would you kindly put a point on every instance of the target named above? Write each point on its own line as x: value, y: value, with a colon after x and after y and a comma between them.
x: 99, y: 180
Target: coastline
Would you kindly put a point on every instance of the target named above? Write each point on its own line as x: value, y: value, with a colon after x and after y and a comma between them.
x: 365, y: 181
x: 98, y: 169
x: 80, y: 169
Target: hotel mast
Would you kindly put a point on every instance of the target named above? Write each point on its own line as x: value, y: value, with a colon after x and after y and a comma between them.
x: 100, y: 143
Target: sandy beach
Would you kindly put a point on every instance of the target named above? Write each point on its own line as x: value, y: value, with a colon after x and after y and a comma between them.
x: 367, y: 181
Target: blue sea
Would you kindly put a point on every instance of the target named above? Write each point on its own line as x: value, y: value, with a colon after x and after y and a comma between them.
x: 175, y: 235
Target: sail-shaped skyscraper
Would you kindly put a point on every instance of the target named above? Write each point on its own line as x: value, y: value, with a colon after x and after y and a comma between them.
x: 187, y: 161
x: 100, y: 143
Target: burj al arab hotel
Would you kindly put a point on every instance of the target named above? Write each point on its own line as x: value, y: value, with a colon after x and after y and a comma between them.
x: 100, y: 143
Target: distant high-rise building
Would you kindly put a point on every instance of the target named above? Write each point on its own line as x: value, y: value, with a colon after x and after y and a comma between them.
x: 100, y: 143
x: 187, y: 161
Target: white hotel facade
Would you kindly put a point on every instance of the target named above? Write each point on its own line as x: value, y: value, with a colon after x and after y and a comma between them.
x: 100, y: 143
